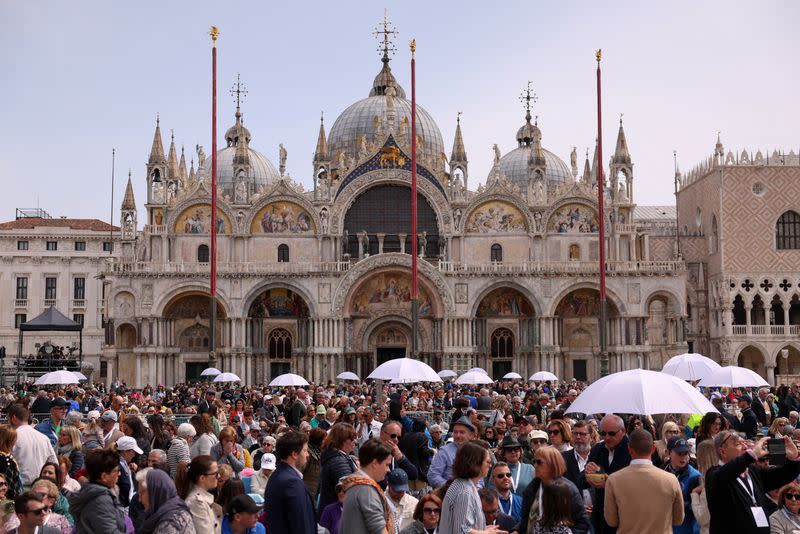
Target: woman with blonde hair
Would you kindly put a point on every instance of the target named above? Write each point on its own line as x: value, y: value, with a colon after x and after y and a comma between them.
x: 706, y: 459
x: 669, y: 430
x: 560, y: 434
x: 786, y: 519
x: 8, y: 465
x: 69, y: 445
x: 550, y: 466
x: 776, y: 428
x: 50, y: 494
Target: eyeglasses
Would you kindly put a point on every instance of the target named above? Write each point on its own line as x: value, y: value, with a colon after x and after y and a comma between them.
x: 3, y: 484
x: 539, y: 441
x: 503, y: 475
x: 792, y: 496
x: 538, y: 461
x: 611, y: 433
x: 580, y: 434
x: 214, y: 474
x: 432, y: 510
x: 554, y: 431
x: 39, y: 511
x: 729, y: 436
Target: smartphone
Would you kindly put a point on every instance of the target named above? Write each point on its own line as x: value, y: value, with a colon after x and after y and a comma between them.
x: 776, y: 449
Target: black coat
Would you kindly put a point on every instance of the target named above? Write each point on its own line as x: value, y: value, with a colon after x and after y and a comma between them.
x: 334, y: 464
x: 415, y: 447
x: 748, y: 424
x: 573, y: 471
x: 758, y: 410
x: 729, y: 503
x: 599, y: 455
x: 287, y: 504
x: 580, y: 521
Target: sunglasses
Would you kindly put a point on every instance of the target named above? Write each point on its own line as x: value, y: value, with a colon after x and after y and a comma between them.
x: 3, y: 485
x: 539, y: 441
x: 432, y: 510
x: 793, y: 496
x: 554, y: 431
x: 393, y: 436
x: 611, y: 433
x: 538, y: 461
x: 503, y: 475
x: 39, y: 511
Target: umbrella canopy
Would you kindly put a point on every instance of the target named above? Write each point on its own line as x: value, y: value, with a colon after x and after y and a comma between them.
x: 543, y: 376
x: 79, y: 375
x: 733, y: 376
x: 57, y: 377
x: 404, y: 371
x: 474, y: 377
x: 447, y: 373
x: 690, y: 366
x: 227, y: 377
x: 478, y: 370
x: 289, y: 379
x: 640, y: 392
x: 347, y: 375
x: 211, y: 371
x: 512, y: 376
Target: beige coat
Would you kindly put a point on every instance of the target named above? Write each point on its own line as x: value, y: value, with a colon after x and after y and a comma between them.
x: 205, y: 520
x: 652, y: 500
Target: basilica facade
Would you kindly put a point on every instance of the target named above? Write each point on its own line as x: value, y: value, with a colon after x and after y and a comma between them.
x: 318, y: 282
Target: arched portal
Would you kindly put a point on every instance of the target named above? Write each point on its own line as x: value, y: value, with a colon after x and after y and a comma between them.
x: 752, y: 358
x: 578, y: 315
x: 277, y: 328
x: 190, y: 317
x: 790, y: 365
x: 506, y: 329
x: 389, y: 341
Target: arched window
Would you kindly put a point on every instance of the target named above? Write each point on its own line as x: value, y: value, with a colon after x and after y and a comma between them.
x: 283, y: 253
x: 202, y: 254
x: 496, y: 253
x: 574, y: 252
x: 502, y: 343
x: 787, y: 231
x: 714, y: 241
x: 280, y: 344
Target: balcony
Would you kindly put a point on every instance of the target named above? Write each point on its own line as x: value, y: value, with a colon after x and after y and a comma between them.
x: 20, y: 303
x: 155, y: 229
x: 563, y: 267
x: 225, y: 268
x: 777, y: 330
x: 50, y: 302
x: 624, y: 228
x: 78, y: 303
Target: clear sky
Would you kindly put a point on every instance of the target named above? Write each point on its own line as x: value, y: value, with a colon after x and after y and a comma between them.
x: 81, y: 78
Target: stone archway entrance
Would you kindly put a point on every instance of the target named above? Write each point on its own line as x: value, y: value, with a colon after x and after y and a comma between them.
x: 390, y: 341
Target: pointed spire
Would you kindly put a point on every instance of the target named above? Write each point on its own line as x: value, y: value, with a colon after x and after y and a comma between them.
x: 192, y: 174
x: 621, y: 154
x: 718, y: 149
x: 157, y: 150
x: 321, y: 153
x: 459, y: 153
x: 128, y: 201
x: 242, y: 155
x: 172, y: 159
x: 593, y: 175
x: 587, y: 171
x: 182, y: 166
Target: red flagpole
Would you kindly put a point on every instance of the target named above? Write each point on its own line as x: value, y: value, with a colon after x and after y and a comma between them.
x: 213, y: 275
x: 602, y: 232
x: 414, y: 252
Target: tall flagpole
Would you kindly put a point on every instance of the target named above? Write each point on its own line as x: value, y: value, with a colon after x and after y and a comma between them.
x: 414, y: 251
x: 212, y: 355
x: 111, y: 221
x: 602, y: 236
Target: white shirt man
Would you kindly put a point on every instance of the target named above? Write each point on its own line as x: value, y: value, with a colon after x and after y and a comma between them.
x: 32, y: 448
x: 258, y: 482
x: 368, y: 428
x: 399, y: 498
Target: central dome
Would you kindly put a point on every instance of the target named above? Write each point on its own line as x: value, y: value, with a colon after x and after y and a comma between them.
x: 367, y: 115
x: 514, y: 165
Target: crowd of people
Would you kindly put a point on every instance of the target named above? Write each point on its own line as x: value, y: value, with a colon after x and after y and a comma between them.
x: 408, y: 459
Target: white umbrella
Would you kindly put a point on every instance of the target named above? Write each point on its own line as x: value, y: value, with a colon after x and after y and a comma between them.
x: 690, y: 366
x: 474, y: 377
x: 79, y: 375
x: 512, y: 376
x: 640, y: 392
x: 404, y: 371
x: 211, y: 371
x: 478, y: 370
x: 447, y: 373
x: 227, y: 377
x: 543, y: 376
x: 347, y: 375
x: 733, y: 376
x: 56, y: 377
x: 289, y: 379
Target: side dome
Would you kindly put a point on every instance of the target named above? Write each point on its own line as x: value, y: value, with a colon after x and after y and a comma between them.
x: 262, y: 171
x: 366, y: 116
x: 515, y: 166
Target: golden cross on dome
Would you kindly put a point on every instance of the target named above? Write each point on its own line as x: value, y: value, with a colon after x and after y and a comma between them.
x: 527, y: 97
x: 239, y: 91
x: 385, y: 36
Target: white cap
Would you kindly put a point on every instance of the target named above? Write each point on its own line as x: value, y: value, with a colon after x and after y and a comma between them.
x: 127, y: 443
x: 93, y: 414
x: 268, y: 461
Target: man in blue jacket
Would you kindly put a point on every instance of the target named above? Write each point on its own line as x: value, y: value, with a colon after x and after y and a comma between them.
x: 51, y: 427
x: 689, y: 479
x: 287, y: 503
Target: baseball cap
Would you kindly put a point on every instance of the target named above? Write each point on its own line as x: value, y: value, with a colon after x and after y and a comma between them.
x: 268, y: 461
x: 350, y: 410
x: 109, y: 415
x: 58, y: 402
x: 255, y: 426
x: 678, y: 445
x: 716, y: 395
x: 537, y: 434
x: 127, y: 443
x: 747, y: 398
x: 321, y: 409
x: 242, y: 504
x: 398, y: 479
x: 93, y: 414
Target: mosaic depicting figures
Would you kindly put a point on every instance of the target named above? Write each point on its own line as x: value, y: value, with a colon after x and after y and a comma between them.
x: 282, y: 217
x: 574, y: 219
x: 495, y: 217
x: 197, y: 220
x: 279, y: 302
x: 580, y: 303
x: 389, y: 291
x: 504, y: 302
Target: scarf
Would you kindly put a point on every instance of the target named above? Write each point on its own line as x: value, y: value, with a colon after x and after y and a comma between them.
x: 163, y: 500
x: 357, y: 480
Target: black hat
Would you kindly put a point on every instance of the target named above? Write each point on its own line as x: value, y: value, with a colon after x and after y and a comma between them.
x: 510, y: 442
x: 678, y: 445
x: 464, y: 420
x: 242, y: 504
x: 58, y: 402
